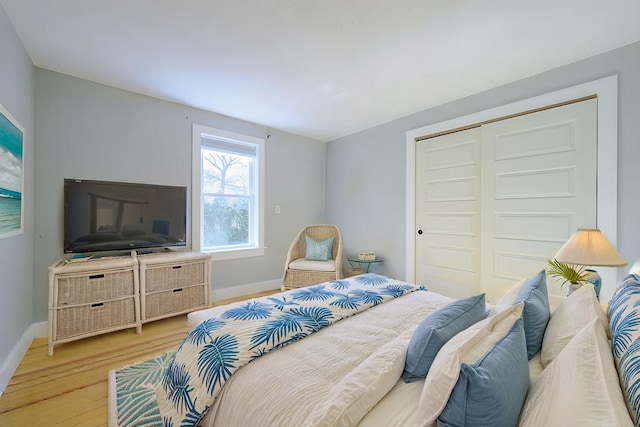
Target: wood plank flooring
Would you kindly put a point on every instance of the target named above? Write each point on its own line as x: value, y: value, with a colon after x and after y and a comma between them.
x: 70, y: 387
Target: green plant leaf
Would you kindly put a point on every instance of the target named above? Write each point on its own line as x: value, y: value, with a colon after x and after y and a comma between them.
x: 568, y: 272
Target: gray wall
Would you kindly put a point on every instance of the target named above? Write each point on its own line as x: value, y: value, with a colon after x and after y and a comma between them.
x: 85, y: 130
x: 16, y: 252
x: 366, y: 170
x: 90, y: 131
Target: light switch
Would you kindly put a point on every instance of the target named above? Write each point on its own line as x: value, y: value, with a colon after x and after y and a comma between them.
x: 277, y: 209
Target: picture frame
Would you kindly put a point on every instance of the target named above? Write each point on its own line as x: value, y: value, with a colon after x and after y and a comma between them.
x: 11, y: 175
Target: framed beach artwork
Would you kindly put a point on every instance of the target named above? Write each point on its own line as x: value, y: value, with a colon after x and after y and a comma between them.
x: 11, y: 176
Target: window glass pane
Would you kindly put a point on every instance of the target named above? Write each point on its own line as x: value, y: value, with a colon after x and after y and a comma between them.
x: 226, y: 221
x: 225, y: 173
x: 228, y: 211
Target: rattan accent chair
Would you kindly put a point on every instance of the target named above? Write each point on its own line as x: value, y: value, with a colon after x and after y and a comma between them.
x: 296, y: 278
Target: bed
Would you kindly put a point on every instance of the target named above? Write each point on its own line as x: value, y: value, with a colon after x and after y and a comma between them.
x: 417, y: 358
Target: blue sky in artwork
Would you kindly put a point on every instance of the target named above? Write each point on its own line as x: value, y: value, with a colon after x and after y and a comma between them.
x: 10, y: 155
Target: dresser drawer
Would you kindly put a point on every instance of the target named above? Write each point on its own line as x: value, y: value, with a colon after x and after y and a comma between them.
x: 88, y: 318
x: 95, y: 287
x: 174, y: 301
x: 171, y: 276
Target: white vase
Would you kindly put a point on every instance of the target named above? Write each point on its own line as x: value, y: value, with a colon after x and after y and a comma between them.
x: 572, y: 287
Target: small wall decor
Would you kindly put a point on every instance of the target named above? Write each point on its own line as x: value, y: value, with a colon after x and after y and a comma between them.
x: 11, y: 175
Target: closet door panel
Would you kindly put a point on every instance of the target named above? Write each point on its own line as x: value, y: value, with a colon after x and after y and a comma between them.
x: 448, y: 213
x: 538, y: 185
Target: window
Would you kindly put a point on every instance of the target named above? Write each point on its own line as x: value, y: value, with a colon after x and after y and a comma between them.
x: 228, y: 188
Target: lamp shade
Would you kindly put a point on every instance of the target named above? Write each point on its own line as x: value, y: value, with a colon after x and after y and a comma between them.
x: 590, y: 247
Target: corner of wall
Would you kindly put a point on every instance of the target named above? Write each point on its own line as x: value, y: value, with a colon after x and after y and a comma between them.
x: 14, y: 358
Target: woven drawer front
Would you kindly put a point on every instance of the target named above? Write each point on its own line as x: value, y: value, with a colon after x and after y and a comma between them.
x: 173, y: 276
x: 74, y: 321
x: 174, y: 301
x: 95, y: 287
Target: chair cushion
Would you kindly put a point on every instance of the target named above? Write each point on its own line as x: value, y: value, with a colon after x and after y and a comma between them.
x: 319, y: 251
x: 303, y: 264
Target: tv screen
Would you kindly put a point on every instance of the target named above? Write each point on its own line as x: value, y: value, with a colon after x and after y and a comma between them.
x: 111, y: 216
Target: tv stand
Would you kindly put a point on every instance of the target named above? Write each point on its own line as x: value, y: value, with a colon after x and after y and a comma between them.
x: 96, y: 295
x: 173, y: 283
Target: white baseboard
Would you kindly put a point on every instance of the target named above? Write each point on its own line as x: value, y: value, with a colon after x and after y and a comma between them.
x: 40, y: 329
x: 14, y: 358
x: 238, y: 291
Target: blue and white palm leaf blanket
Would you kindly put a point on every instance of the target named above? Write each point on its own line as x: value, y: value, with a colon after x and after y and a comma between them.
x: 219, y: 346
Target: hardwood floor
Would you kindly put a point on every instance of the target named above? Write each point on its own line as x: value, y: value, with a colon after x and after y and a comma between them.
x: 70, y: 387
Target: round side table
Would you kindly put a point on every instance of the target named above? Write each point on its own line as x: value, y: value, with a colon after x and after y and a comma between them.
x: 364, y: 266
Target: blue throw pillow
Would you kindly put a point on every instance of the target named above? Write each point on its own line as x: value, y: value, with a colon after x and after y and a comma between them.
x: 624, y: 321
x: 491, y: 391
x: 536, y: 310
x: 438, y: 328
x: 319, y: 251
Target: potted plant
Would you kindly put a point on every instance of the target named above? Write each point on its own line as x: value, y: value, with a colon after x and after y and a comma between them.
x: 574, y: 275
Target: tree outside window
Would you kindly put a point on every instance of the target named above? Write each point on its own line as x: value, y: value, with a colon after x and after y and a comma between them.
x: 228, y: 188
x: 226, y: 192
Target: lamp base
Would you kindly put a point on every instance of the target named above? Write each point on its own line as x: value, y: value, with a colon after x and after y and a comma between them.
x: 594, y: 277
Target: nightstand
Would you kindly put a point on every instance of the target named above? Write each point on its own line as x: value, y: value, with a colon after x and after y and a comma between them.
x: 362, y: 266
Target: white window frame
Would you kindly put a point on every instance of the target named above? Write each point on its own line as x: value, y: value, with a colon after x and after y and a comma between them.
x: 256, y: 244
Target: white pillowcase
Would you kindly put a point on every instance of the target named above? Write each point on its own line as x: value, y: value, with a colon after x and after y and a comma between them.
x: 357, y: 392
x: 569, y: 318
x: 579, y: 388
x: 466, y: 347
x: 507, y: 299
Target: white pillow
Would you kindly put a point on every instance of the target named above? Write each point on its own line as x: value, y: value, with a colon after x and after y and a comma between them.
x: 507, y: 299
x: 579, y: 388
x: 568, y: 319
x: 357, y: 392
x: 466, y: 347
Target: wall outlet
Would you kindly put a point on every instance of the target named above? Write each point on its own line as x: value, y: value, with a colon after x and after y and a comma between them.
x: 277, y: 209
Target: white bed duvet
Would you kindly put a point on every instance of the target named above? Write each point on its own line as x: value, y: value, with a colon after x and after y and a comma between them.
x: 348, y: 373
x: 332, y: 378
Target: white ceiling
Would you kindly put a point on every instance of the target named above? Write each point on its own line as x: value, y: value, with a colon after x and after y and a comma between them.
x: 321, y: 69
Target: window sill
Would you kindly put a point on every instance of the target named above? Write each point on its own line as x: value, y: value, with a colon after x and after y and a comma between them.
x: 234, y: 253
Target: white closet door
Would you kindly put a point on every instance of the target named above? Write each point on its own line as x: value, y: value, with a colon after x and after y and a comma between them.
x: 448, y: 213
x: 538, y: 186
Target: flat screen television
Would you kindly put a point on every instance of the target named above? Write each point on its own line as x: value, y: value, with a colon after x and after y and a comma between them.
x: 114, y: 216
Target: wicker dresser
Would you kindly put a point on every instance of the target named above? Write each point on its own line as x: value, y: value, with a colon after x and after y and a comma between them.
x: 92, y: 297
x: 173, y: 283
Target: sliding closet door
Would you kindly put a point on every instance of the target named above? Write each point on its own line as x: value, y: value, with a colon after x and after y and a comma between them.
x: 448, y: 213
x: 538, y: 186
x: 494, y: 203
